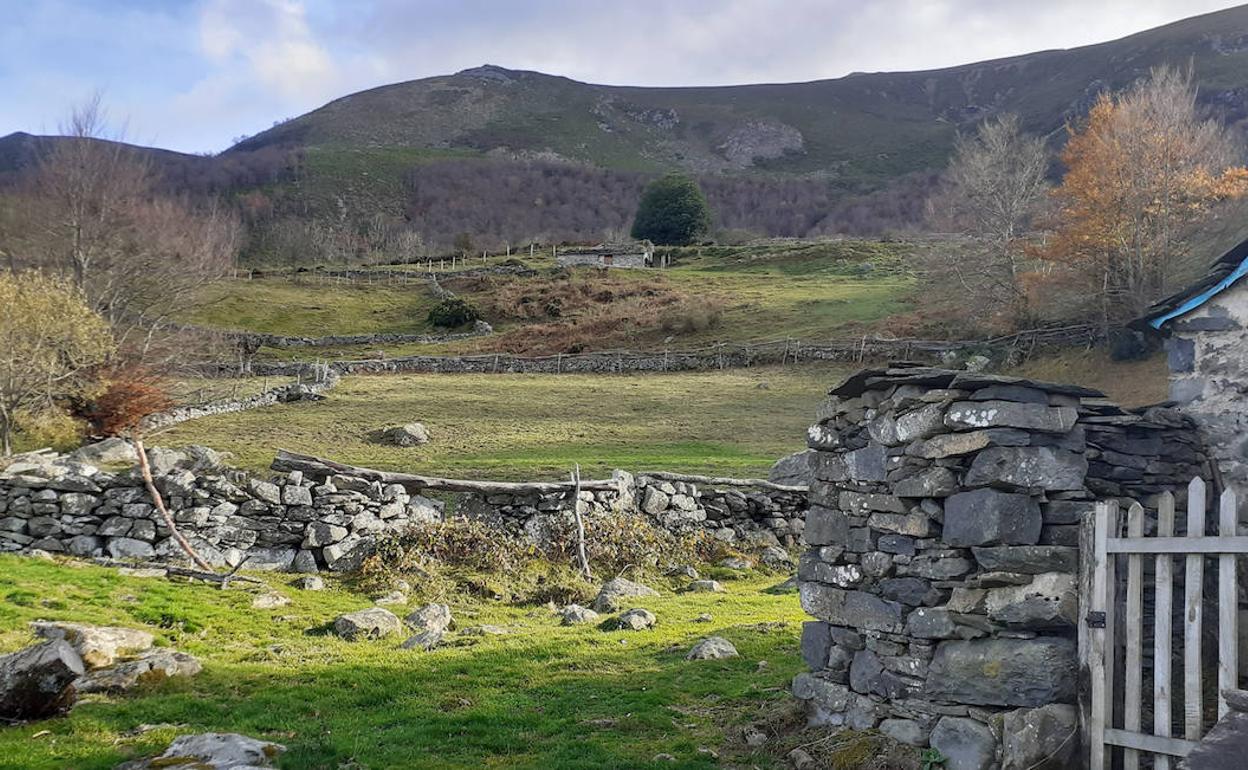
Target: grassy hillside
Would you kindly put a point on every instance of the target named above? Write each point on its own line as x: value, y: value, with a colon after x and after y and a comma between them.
x: 805, y: 290
x: 530, y: 426
x: 540, y: 696
x: 863, y: 128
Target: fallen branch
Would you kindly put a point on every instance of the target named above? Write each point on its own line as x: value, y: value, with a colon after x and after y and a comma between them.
x: 224, y: 579
x: 719, y: 481
x: 320, y: 468
x: 580, y: 525
x: 159, y: 502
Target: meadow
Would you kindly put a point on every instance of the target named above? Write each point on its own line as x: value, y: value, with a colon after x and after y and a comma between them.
x: 735, y: 422
x: 542, y: 695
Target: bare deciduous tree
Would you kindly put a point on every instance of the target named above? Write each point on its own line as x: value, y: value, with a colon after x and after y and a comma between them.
x: 90, y: 211
x: 996, y: 183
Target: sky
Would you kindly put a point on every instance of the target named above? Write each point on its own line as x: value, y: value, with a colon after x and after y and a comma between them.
x: 194, y: 75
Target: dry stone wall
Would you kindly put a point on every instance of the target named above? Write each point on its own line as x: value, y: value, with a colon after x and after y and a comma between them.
x: 943, y: 555
x: 67, y: 504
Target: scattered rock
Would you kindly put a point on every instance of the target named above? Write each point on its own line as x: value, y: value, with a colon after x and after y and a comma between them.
x: 636, y: 619
x: 712, y: 648
x: 98, y: 646
x: 372, y: 623
x: 394, y: 597
x: 754, y: 737
x: 615, y: 589
x: 425, y: 640
x: 110, y: 451
x: 705, y: 587
x: 409, y: 435
x: 38, y: 682
x: 684, y: 570
x: 431, y: 617
x: 151, y: 667
x: 269, y: 600
x: 485, y: 629
x: 309, y: 583
x: 801, y: 760
x: 737, y: 563
x: 212, y: 751
x: 575, y: 614
x: 703, y: 618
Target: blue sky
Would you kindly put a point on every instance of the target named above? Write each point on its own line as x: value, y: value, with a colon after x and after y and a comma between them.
x: 194, y: 74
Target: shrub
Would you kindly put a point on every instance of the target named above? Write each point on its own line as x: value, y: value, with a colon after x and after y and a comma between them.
x: 453, y: 312
x: 130, y: 394
x: 690, y: 318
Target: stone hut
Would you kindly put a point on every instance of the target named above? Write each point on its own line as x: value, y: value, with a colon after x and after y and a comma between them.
x: 943, y: 553
x: 1206, y: 331
x: 638, y: 254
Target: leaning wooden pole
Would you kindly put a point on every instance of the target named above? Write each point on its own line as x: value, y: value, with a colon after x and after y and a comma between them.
x: 159, y: 502
x: 580, y: 524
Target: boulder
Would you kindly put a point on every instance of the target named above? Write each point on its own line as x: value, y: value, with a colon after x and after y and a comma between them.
x: 906, y: 731
x: 372, y: 623
x: 989, y: 517
x: 212, y: 751
x: 966, y: 744
x: 151, y: 667
x: 705, y: 587
x: 38, y: 682
x: 309, y: 583
x: 636, y: 619
x: 1004, y: 672
x: 431, y: 617
x: 269, y: 600
x: 575, y: 614
x: 98, y: 646
x: 425, y: 640
x: 1041, y: 738
x: 712, y: 648
x: 614, y: 590
x: 409, y: 435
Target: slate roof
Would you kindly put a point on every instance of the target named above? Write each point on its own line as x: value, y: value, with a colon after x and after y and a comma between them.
x: 1227, y: 271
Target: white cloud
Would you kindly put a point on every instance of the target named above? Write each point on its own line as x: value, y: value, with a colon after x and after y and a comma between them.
x: 272, y: 40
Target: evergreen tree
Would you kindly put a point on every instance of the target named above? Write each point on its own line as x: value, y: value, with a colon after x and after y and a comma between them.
x: 673, y: 212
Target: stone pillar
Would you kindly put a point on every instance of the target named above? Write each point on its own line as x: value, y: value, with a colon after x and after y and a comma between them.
x: 942, y: 559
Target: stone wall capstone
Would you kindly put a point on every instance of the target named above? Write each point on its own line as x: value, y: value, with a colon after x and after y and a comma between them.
x: 942, y: 550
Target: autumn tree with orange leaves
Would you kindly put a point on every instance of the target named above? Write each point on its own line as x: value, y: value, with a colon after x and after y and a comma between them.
x: 1141, y: 172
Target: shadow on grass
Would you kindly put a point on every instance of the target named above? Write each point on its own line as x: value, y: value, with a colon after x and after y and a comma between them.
x: 510, y: 703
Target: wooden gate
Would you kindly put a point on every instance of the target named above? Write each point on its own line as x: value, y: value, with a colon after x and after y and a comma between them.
x: 1116, y: 713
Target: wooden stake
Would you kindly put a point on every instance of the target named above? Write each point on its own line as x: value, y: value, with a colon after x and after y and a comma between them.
x: 159, y: 502
x: 580, y: 524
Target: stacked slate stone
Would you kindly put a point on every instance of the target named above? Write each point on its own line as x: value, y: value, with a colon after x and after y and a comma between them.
x: 941, y: 569
x: 63, y: 505
x: 757, y: 518
x: 1141, y: 452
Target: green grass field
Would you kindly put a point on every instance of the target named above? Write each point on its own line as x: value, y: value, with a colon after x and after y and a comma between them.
x: 805, y: 290
x: 542, y: 696
x: 530, y: 426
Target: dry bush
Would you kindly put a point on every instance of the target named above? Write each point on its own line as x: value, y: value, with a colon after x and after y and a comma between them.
x: 130, y: 394
x: 573, y: 311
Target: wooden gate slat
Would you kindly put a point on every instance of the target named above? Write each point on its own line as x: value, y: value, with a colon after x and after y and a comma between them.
x: 1111, y: 621
x: 1163, y: 628
x: 1192, y: 613
x: 1096, y: 636
x: 1228, y: 605
x: 1134, y: 672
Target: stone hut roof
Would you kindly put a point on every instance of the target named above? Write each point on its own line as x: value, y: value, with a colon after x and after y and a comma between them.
x: 634, y: 247
x: 1228, y: 270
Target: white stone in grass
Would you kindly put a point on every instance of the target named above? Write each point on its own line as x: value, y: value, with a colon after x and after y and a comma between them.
x: 372, y: 623
x: 270, y: 600
x: 705, y: 587
x: 431, y: 617
x: 575, y: 614
x: 636, y: 619
x: 712, y: 648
